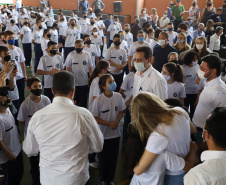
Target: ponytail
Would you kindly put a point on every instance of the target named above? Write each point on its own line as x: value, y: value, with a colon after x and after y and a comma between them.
x: 177, y: 70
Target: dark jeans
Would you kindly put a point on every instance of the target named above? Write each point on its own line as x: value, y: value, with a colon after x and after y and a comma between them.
x: 81, y: 95
x: 16, y: 43
x: 13, y: 171
x: 176, y: 23
x: 48, y: 93
x: 92, y: 157
x: 35, y: 173
x: 38, y: 55
x: 61, y: 40
x: 102, y: 48
x: 20, y: 85
x: 108, y: 159
x: 67, y: 50
x: 17, y: 106
x: 199, y: 140
x: 27, y: 53
x: 127, y: 121
x: 189, y: 101
x: 126, y: 69
x: 82, y: 36
x: 118, y: 80
x: 96, y: 11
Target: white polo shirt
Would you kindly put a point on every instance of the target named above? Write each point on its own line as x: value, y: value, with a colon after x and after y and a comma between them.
x: 211, y: 171
x: 37, y: 36
x: 212, y: 96
x: 79, y: 64
x: 97, y: 42
x: 89, y: 29
x: 94, y: 90
x: 215, y: 42
x: 71, y: 36
x: 151, y: 81
x: 28, y: 108
x: 83, y: 23
x: 100, y: 23
x: 117, y: 56
x: 129, y: 39
x: 62, y: 27
x: 9, y: 135
x: 176, y: 90
x: 54, y: 35
x: 171, y: 38
x: 113, y: 29
x: 47, y: 63
x: 134, y: 46
x: 127, y: 85
x: 163, y: 22
x: 13, y: 28
x: 64, y: 134
x: 93, y: 53
x: 26, y: 32
x: 49, y: 21
x: 108, y: 109
x: 44, y: 45
x: 3, y: 17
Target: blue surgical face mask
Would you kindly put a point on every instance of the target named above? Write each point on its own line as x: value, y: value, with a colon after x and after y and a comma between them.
x: 11, y: 42
x: 170, y: 29
x: 178, y: 31
x: 140, y: 39
x: 112, y: 86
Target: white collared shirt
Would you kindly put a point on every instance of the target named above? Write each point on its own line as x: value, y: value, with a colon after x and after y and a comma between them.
x: 64, y: 134
x: 214, y: 43
x: 114, y: 28
x: 210, y: 172
x: 151, y: 81
x: 213, y: 95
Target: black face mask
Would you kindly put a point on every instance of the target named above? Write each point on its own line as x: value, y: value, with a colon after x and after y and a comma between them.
x: 90, y: 12
x: 40, y: 27
x: 101, y: 18
x: 7, y: 58
x: 48, y: 35
x: 193, y: 4
x: 117, y: 43
x: 10, y: 17
x: 88, y: 42
x: 127, y: 31
x: 62, y: 19
x: 4, y: 41
x: 11, y: 10
x: 78, y: 50
x: 36, y: 92
x: 7, y: 103
x: 209, y: 4
x: 53, y: 52
x: 92, y: 23
x: 26, y: 23
x: 72, y: 24
x: 84, y: 16
x: 175, y: 61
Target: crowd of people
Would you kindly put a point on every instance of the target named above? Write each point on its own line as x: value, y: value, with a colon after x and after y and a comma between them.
x: 164, y: 76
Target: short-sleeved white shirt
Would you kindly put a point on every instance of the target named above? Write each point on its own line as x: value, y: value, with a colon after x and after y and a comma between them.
x: 9, y: 136
x: 3, y: 17
x: 89, y: 29
x: 127, y: 85
x: 79, y: 63
x: 93, y: 53
x: 47, y: 63
x: 49, y: 21
x: 13, y: 28
x: 94, y: 90
x: 163, y: 22
x: 171, y: 38
x: 134, y: 46
x: 62, y: 27
x: 37, y: 36
x: 71, y: 36
x: 129, y: 39
x: 100, y: 23
x: 176, y: 90
x: 97, y: 42
x: 113, y: 29
x: 108, y: 109
x: 44, y: 46
x: 28, y: 108
x: 26, y: 32
x: 54, y: 35
x: 117, y: 56
x: 83, y: 23
x: 22, y: 17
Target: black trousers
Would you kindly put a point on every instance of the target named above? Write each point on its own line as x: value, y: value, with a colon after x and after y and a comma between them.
x: 176, y: 23
x: 62, y: 41
x: 21, y: 85
x: 67, y: 50
x: 127, y: 121
x: 13, y: 171
x: 189, y: 101
x: 27, y: 53
x: 118, y: 80
x: 35, y: 173
x: 81, y: 95
x: 38, y: 55
x: 48, y: 93
x: 102, y: 49
x: 108, y: 159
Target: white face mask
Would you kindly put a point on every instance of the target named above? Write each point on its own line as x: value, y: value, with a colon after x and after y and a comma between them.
x: 194, y: 63
x: 199, y: 46
x: 144, y: 12
x: 167, y: 77
x: 139, y: 66
x: 201, y: 74
x: 162, y: 42
x: 95, y: 33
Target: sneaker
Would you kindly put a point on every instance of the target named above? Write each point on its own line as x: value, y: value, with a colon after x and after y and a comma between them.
x: 112, y: 183
x: 94, y: 164
x: 103, y: 183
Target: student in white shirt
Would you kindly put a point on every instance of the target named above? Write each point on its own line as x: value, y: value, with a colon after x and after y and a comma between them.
x: 7, y: 21
x: 141, y: 42
x: 73, y: 16
x: 123, y: 44
x: 101, y: 26
x: 212, y: 170
x: 117, y: 57
x: 14, y: 28
x: 215, y: 40
x: 48, y: 66
x: 45, y: 40
x: 62, y: 26
x: 36, y: 40
x: 90, y: 27
x: 173, y: 74
x: 3, y: 17
x: 163, y: 21
x: 83, y: 22
x: 49, y: 21
x: 114, y: 28
x: 92, y: 50
x: 26, y: 38
x: 108, y: 109
x: 70, y: 36
x: 54, y: 33
x: 30, y: 105
x: 150, y: 35
x: 60, y: 15
x: 11, y: 159
x: 172, y: 34
x: 101, y: 69
x: 79, y: 63
x: 128, y: 35
x: 66, y: 130
x: 97, y: 40
x: 22, y: 17
x: 45, y: 9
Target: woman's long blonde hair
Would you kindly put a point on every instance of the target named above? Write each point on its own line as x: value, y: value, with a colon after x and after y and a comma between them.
x: 148, y: 111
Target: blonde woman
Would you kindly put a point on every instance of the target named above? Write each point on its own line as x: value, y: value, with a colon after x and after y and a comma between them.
x: 154, y: 18
x: 181, y: 44
x: 164, y: 129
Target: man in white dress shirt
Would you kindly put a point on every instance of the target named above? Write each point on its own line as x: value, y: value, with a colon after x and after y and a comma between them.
x: 64, y: 134
x: 215, y: 40
x: 212, y: 170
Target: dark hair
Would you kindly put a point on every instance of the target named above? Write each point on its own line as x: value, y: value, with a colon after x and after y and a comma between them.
x: 6, y: 33
x: 55, y: 25
x: 116, y: 36
x: 213, y: 62
x: 183, y: 26
x: 219, y: 9
x: 103, y: 64
x: 99, y: 14
x: 63, y: 82
x: 50, y: 43
x: 12, y: 21
x: 3, y: 49
x: 45, y: 32
x: 149, y: 31
x: 170, y: 24
x: 165, y: 33
x: 177, y: 70
x: 218, y: 29
x: 157, y: 32
x: 215, y: 125
x: 103, y: 80
x: 146, y: 27
x: 190, y: 56
x: 31, y: 80
x: 85, y: 36
x: 146, y: 50
x: 140, y: 31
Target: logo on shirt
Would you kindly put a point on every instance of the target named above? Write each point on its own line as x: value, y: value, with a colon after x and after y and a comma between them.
x: 174, y: 94
x: 93, y: 53
x: 116, y: 108
x: 120, y: 58
x: 98, y: 43
x: 16, y: 58
x: 74, y: 34
x: 84, y: 62
x: 57, y: 66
